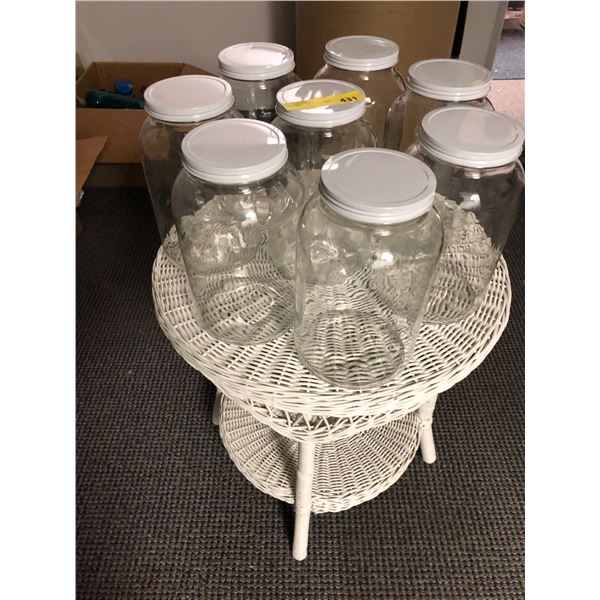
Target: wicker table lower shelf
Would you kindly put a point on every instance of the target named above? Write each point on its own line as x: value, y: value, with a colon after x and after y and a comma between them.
x: 346, y: 472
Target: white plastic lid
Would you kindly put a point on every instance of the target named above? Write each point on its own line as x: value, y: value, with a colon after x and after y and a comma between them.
x: 449, y: 79
x: 361, y: 53
x: 254, y: 61
x: 374, y: 185
x: 328, y: 114
x: 188, y: 98
x: 234, y: 151
x: 471, y: 137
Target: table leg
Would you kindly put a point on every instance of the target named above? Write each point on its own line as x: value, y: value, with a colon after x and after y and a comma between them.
x: 303, y: 498
x: 427, y: 444
x: 216, y: 413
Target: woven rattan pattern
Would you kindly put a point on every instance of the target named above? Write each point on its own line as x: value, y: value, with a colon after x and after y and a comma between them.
x: 347, y: 472
x: 273, y: 376
x: 466, y: 264
x: 163, y: 513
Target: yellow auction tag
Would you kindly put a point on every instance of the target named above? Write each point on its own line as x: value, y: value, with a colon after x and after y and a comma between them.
x: 353, y: 96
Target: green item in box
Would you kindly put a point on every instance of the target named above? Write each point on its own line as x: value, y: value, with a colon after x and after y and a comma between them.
x: 103, y: 99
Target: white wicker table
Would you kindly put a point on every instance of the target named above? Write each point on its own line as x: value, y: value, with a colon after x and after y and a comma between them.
x: 306, y: 442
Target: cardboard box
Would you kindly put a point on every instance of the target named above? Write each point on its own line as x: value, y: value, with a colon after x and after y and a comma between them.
x: 421, y: 29
x: 86, y: 153
x: 118, y: 164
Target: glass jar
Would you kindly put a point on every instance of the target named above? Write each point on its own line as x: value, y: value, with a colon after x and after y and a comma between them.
x: 368, y: 62
x: 480, y: 183
x: 321, y: 118
x: 432, y: 84
x: 368, y: 244
x: 175, y: 106
x: 257, y: 71
x: 233, y: 201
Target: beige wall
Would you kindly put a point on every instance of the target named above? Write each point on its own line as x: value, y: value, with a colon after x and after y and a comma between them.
x: 195, y: 31
x: 191, y: 32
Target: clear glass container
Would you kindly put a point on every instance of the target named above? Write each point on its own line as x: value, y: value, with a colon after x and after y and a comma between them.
x: 368, y: 244
x: 433, y: 84
x: 368, y: 62
x: 256, y: 71
x: 235, y: 202
x: 321, y: 118
x: 175, y: 106
x: 480, y: 187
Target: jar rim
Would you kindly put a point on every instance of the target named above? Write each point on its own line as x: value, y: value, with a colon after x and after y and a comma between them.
x: 320, y: 113
x: 449, y: 79
x: 188, y: 98
x: 255, y: 61
x: 471, y: 137
x: 361, y: 53
x: 377, y: 185
x: 232, y: 151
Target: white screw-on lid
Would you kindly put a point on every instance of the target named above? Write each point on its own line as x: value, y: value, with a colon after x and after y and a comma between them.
x: 374, y: 185
x: 188, y: 98
x: 361, y: 53
x: 255, y: 61
x: 326, y: 106
x: 449, y: 79
x: 234, y: 151
x: 471, y: 137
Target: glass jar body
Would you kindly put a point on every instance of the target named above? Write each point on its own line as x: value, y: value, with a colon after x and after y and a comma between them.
x: 407, y: 112
x: 381, y: 88
x: 257, y: 99
x: 310, y: 147
x: 160, y: 149
x: 478, y: 209
x: 360, y: 293
x: 235, y: 241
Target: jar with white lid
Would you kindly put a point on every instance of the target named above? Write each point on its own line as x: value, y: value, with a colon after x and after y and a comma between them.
x: 368, y: 62
x: 320, y: 118
x: 368, y: 245
x: 256, y: 71
x: 232, y: 202
x: 432, y: 84
x: 175, y: 106
x: 480, y: 187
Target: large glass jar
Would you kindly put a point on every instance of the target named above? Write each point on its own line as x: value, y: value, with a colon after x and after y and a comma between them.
x: 368, y: 244
x: 256, y: 71
x: 175, y: 106
x: 233, y: 202
x: 368, y: 62
x: 320, y: 118
x: 480, y: 183
x: 432, y: 84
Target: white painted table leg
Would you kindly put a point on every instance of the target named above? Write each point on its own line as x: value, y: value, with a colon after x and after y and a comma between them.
x: 216, y: 413
x: 427, y: 444
x: 303, y: 498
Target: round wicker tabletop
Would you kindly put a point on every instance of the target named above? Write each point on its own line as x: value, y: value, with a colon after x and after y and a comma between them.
x: 271, y: 383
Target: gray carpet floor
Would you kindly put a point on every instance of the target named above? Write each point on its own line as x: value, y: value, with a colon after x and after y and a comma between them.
x: 162, y: 513
x: 509, y: 62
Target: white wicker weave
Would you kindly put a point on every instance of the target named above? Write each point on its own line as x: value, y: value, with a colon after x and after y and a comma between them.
x: 269, y: 380
x: 346, y: 472
x: 269, y: 392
